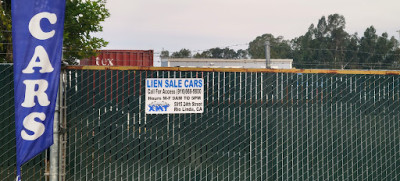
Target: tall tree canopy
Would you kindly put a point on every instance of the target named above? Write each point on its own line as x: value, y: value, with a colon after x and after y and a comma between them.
x: 164, y: 54
x: 279, y: 47
x: 222, y: 53
x: 328, y: 45
x: 325, y: 44
x: 82, y: 18
x: 183, y: 53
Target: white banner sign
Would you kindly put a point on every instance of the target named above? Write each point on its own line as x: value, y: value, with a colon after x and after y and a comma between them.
x: 174, y: 95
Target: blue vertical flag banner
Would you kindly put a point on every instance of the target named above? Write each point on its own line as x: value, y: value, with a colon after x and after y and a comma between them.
x: 37, y: 31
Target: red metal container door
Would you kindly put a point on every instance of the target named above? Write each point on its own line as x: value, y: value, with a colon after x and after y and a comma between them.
x: 86, y: 61
x: 118, y: 59
x: 149, y: 61
x: 125, y: 59
x: 131, y: 54
x: 92, y: 60
x: 140, y: 62
x: 121, y: 58
x: 83, y: 62
x: 134, y: 58
x: 100, y: 58
x: 146, y: 58
x: 106, y: 58
x: 113, y: 59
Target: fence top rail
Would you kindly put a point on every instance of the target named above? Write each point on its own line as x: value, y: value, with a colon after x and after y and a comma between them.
x: 194, y: 69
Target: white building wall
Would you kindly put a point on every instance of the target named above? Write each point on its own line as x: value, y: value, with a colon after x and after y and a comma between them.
x: 226, y: 63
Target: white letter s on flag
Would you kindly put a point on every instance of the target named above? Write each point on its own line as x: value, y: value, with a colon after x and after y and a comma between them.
x: 30, y: 124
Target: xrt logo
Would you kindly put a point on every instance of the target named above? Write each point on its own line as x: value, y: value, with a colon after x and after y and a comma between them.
x: 158, y: 107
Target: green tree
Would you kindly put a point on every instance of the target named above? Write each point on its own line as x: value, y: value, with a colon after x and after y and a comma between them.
x: 395, y: 58
x: 393, y: 55
x: 338, y: 38
x: 242, y: 54
x: 303, y: 54
x: 367, y: 46
x: 219, y: 53
x: 328, y: 45
x: 82, y: 18
x: 351, y: 58
x: 228, y: 53
x: 204, y: 54
x: 164, y: 54
x: 383, y: 49
x: 5, y: 31
x: 378, y: 51
x: 280, y: 48
x: 324, y: 45
x: 183, y: 53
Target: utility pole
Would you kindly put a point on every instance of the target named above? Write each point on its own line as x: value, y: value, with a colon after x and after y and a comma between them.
x: 398, y: 44
x: 267, y: 54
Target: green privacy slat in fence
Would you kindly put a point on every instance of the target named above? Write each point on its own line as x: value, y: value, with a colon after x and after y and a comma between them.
x: 255, y: 126
x: 33, y: 169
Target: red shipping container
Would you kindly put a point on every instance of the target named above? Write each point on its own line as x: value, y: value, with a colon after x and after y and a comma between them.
x: 142, y: 58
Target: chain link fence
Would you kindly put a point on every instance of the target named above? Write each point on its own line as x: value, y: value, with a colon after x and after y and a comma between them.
x: 255, y: 126
x: 35, y: 169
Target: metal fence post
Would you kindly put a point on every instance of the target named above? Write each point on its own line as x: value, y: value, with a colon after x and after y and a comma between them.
x: 54, y: 148
x: 63, y: 126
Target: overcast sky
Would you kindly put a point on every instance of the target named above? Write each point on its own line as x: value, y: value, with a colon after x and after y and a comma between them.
x: 203, y: 24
